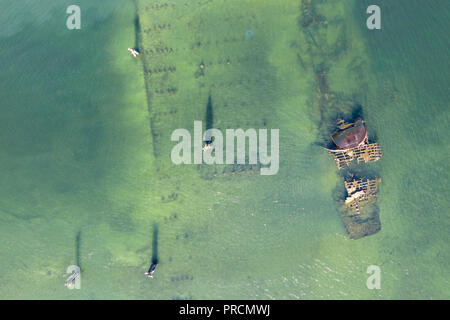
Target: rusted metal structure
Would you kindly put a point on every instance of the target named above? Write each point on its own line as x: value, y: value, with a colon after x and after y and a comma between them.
x: 359, y: 212
x: 360, y: 192
x: 352, y: 143
x: 367, y: 153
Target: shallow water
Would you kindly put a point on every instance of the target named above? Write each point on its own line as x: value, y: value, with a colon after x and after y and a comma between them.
x: 86, y: 171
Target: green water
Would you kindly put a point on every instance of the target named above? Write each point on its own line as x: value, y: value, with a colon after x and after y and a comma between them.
x: 85, y: 139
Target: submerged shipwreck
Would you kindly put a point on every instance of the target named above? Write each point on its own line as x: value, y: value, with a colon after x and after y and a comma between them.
x: 352, y: 143
x: 359, y: 212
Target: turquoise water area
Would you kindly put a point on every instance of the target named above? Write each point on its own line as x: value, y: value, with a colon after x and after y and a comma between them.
x: 85, y: 139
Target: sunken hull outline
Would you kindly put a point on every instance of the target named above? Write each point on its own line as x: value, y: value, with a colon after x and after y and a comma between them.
x: 359, y: 212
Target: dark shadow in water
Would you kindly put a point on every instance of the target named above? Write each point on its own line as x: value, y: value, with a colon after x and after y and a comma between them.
x: 78, y: 248
x: 209, y: 116
x: 155, y: 244
x: 137, y: 31
x: 339, y: 193
x: 357, y: 112
x: 138, y: 45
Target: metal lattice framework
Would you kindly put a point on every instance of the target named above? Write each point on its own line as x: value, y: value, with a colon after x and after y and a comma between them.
x: 367, y: 153
x: 360, y: 192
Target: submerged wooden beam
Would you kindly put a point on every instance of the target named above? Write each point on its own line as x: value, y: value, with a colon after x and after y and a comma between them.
x: 367, y: 153
x: 360, y: 192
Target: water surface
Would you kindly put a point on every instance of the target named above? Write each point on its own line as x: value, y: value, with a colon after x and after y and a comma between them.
x: 86, y: 171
